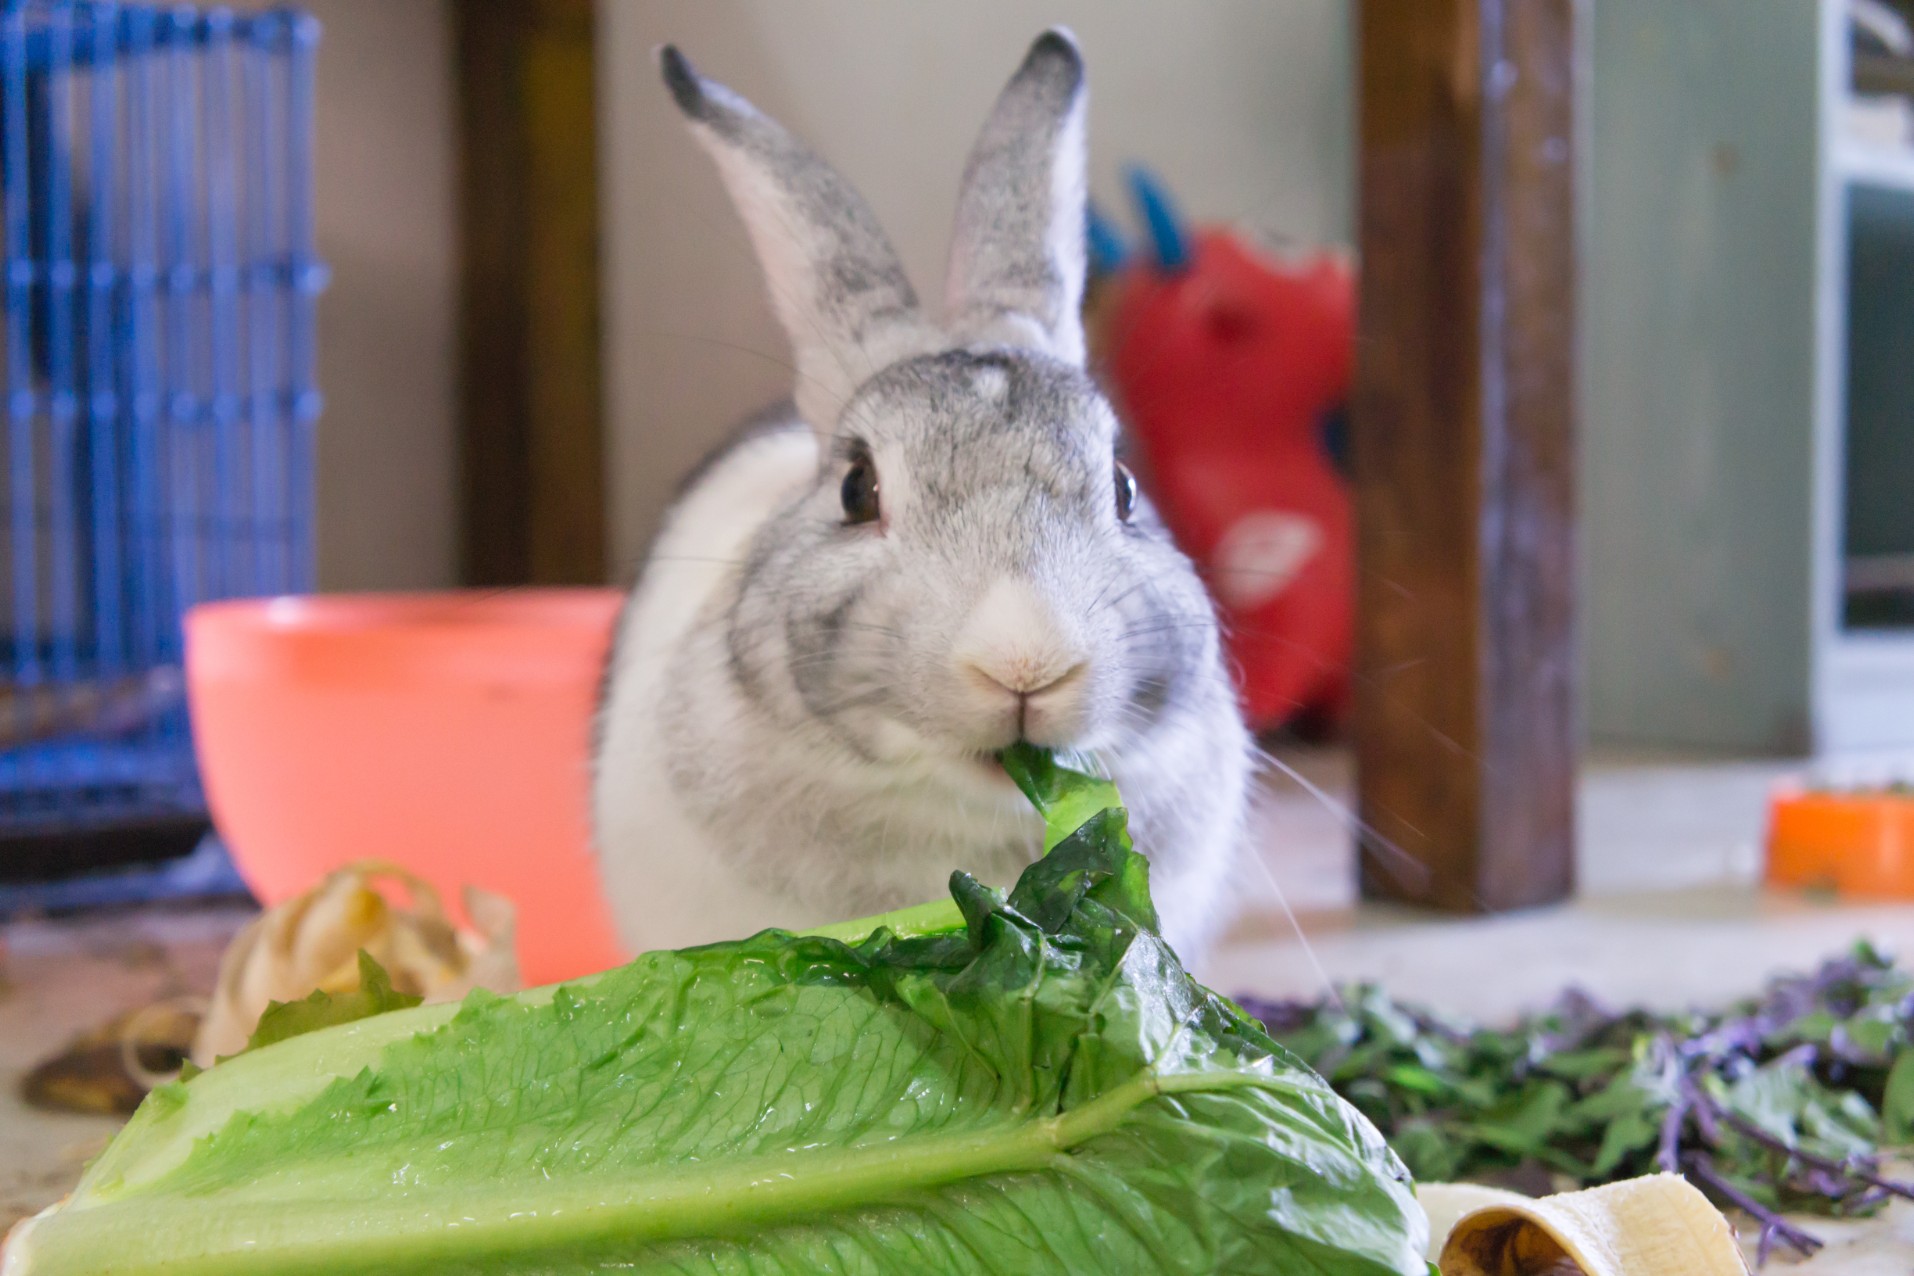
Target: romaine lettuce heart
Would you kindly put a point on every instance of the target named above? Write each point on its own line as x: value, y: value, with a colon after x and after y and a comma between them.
x: 1041, y: 1088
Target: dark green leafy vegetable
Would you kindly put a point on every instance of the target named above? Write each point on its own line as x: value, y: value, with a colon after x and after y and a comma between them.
x: 1041, y: 1088
x: 1897, y: 1100
x: 1784, y: 1103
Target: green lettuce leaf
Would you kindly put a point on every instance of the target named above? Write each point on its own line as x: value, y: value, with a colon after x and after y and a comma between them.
x: 375, y: 995
x: 1065, y: 798
x: 1041, y: 1088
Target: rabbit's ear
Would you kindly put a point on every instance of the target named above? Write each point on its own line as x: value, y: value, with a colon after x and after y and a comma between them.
x: 836, y: 282
x: 1016, y: 262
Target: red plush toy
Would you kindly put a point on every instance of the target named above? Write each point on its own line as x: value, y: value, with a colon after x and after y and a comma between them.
x: 1232, y: 367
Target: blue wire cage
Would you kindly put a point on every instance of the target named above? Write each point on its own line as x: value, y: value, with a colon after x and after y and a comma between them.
x: 158, y: 347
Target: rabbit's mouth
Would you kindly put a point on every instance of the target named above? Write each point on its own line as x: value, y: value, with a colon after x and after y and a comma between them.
x: 917, y: 757
x: 978, y: 776
x: 987, y: 766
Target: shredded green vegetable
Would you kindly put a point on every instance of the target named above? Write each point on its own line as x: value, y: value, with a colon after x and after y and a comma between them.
x: 1784, y: 1103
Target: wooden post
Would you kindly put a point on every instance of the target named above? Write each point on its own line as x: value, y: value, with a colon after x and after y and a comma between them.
x: 1466, y: 714
x: 532, y: 482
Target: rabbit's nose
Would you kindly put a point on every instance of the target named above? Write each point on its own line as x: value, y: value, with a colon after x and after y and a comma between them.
x: 1027, y: 678
x: 1019, y: 658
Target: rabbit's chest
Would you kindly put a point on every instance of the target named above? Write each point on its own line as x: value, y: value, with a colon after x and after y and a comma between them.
x: 834, y: 854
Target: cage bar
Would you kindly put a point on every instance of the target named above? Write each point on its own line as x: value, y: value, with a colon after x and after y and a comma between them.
x: 156, y: 230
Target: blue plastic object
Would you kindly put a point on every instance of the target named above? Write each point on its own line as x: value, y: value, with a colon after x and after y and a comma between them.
x: 160, y: 281
x: 1104, y: 242
x: 1153, y: 203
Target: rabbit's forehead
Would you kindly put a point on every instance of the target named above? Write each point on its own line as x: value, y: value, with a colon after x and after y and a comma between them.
x: 973, y: 416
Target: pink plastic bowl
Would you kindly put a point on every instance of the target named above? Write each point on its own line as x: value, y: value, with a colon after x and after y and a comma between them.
x: 449, y: 733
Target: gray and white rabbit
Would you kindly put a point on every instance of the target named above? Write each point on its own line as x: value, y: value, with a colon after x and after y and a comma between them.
x: 933, y: 554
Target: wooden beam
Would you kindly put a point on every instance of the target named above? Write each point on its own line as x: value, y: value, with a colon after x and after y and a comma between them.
x: 532, y: 480
x: 1466, y: 715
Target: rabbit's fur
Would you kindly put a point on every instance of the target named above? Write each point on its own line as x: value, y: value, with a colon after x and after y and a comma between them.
x: 800, y: 709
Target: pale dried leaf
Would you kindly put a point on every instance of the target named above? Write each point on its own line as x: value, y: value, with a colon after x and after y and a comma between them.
x: 312, y: 943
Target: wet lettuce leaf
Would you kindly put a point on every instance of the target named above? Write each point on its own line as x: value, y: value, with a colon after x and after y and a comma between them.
x: 1038, y: 1086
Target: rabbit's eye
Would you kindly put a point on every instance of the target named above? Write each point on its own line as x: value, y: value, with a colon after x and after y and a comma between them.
x: 859, y: 491
x: 1125, y: 491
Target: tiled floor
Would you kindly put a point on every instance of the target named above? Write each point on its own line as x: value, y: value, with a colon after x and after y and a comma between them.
x: 58, y: 978
x: 1669, y: 915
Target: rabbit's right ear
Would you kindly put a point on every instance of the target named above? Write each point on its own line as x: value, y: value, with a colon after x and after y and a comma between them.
x: 838, y: 286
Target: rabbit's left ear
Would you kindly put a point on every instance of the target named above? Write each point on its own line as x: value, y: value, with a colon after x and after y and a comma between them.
x: 1017, y: 257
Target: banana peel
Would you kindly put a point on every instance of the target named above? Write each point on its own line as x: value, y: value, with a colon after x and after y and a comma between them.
x: 1655, y: 1226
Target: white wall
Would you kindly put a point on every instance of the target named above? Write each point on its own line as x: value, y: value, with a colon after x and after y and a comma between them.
x: 386, y: 221
x: 1244, y: 105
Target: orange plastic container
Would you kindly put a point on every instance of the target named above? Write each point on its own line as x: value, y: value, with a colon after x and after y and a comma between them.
x: 1856, y: 844
x: 449, y: 733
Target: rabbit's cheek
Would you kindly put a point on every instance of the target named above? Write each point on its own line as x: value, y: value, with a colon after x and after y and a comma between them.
x: 889, y: 740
